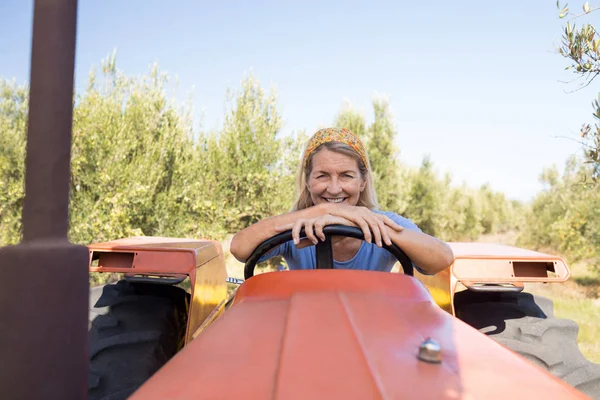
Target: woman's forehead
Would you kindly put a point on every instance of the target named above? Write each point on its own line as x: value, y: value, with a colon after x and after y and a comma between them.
x: 332, y: 160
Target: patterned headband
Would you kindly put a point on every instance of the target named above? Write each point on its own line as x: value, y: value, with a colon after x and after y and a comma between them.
x: 341, y: 135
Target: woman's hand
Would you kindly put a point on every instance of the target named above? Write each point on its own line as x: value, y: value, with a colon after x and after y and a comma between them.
x: 368, y: 221
x: 313, y: 227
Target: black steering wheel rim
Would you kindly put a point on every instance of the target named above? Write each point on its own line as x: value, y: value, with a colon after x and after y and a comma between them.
x: 323, y: 250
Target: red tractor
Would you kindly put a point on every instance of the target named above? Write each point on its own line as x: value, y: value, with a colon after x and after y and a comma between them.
x: 328, y: 333
x: 169, y: 329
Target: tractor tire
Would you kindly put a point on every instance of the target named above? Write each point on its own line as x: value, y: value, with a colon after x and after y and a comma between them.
x: 526, y: 325
x: 134, y: 329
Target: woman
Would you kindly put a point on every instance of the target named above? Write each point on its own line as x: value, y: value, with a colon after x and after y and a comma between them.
x: 335, y: 186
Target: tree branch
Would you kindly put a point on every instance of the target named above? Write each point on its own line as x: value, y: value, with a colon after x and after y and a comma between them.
x: 581, y: 143
x: 575, y: 16
x: 582, y: 86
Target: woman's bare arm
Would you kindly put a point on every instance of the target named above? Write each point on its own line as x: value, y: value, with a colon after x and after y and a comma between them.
x: 429, y: 253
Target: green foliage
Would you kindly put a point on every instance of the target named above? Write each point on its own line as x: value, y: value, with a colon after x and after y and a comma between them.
x: 13, y: 126
x: 383, y: 155
x: 461, y: 216
x: 132, y: 162
x: 424, y: 198
x: 351, y: 119
x: 457, y: 213
x: 581, y: 46
x: 565, y: 217
x: 247, y: 163
x: 139, y: 168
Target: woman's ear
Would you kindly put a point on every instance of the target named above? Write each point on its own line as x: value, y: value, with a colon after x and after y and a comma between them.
x: 363, y: 185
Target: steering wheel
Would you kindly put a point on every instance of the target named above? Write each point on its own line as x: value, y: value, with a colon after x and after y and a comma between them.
x: 324, y: 250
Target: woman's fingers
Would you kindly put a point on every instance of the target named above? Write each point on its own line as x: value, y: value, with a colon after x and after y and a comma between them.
x: 363, y: 218
x: 296, y: 230
x: 309, y: 230
x: 364, y: 226
x: 353, y: 212
x: 368, y: 224
x: 313, y: 229
x: 384, y: 232
x: 357, y: 216
x: 319, y: 224
x: 377, y: 223
x: 374, y: 230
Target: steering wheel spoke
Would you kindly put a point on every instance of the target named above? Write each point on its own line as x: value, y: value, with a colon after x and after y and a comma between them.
x: 324, y: 254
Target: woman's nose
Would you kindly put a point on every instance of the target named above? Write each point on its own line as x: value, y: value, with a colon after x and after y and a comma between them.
x: 334, y: 186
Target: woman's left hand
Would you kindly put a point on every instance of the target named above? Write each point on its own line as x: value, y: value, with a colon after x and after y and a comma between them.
x: 368, y: 221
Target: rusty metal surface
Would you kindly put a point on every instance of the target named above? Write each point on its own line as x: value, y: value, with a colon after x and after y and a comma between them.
x: 44, y: 280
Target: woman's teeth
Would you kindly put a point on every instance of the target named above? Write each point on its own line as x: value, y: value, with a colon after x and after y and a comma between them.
x: 335, y: 200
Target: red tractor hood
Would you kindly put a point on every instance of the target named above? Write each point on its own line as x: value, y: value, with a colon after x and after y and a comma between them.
x: 337, y: 334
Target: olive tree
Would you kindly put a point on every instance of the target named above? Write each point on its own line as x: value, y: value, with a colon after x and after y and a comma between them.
x: 581, y: 47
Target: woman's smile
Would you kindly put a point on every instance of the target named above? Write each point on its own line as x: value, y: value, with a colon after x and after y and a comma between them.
x: 335, y: 200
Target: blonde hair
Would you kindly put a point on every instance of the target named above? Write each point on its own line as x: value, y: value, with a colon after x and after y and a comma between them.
x: 367, y: 198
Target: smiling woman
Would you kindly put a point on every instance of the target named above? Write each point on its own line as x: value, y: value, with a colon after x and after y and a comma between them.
x: 336, y: 186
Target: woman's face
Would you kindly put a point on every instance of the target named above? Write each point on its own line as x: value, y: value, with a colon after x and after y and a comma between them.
x: 335, y: 178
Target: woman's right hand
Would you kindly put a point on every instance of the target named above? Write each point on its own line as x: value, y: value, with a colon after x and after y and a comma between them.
x: 313, y: 227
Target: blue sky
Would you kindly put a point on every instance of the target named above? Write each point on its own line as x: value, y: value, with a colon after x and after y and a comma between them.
x: 474, y: 85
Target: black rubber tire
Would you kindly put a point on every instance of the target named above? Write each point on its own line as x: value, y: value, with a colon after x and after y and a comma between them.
x: 134, y: 329
x: 526, y: 324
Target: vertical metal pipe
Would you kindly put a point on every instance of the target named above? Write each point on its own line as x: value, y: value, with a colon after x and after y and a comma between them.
x: 45, y: 210
x: 44, y: 279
